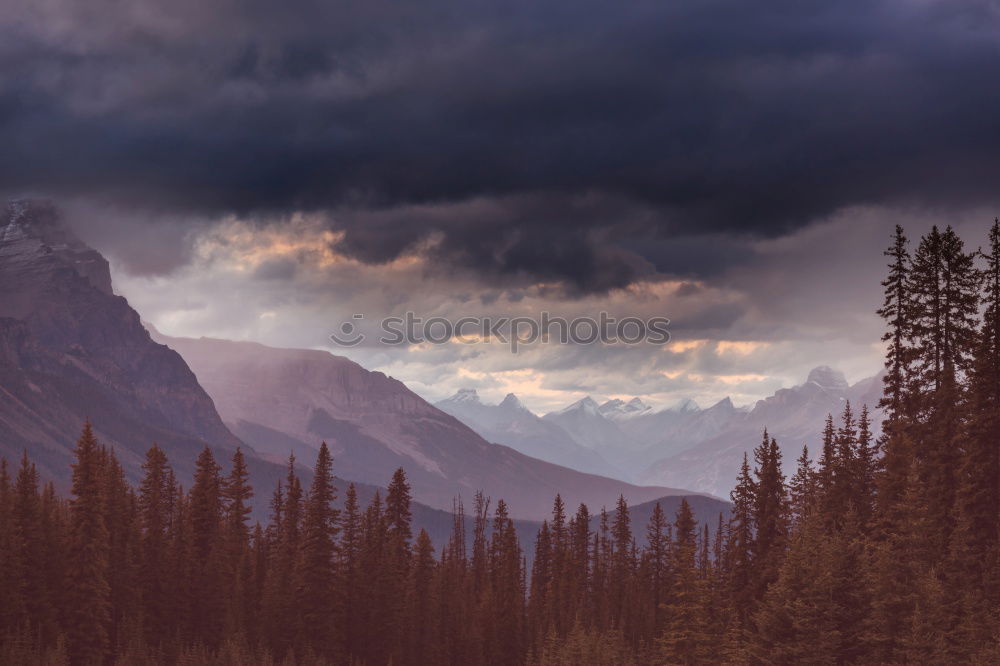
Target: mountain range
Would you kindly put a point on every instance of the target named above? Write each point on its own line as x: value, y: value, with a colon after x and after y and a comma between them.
x: 282, y: 400
x: 71, y: 350
x: 680, y: 445
x: 512, y: 424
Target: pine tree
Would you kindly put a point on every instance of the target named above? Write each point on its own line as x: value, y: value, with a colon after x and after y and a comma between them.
x: 181, y: 564
x: 11, y: 599
x: 54, y: 534
x: 580, y: 566
x: 944, y: 284
x: 318, y: 574
x: 374, y: 572
x: 30, y: 553
x: 119, y: 510
x: 866, y: 470
x: 89, y: 596
x: 657, y: 556
x: 155, y: 498
x: 895, y: 311
x: 506, y: 593
x: 280, y: 616
x: 422, y: 635
x: 541, y: 583
x: 236, y: 494
x: 977, y: 535
x: 825, y: 474
x: 796, y: 621
x: 623, y: 565
x: 770, y: 516
x: 207, y: 551
x: 896, y: 444
x: 398, y: 516
x: 801, y: 489
x: 845, y: 471
x: 561, y: 593
x: 352, y: 585
x: 740, y: 549
x: 683, y: 641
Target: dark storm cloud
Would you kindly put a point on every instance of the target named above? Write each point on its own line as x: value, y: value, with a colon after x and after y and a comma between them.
x: 548, y: 140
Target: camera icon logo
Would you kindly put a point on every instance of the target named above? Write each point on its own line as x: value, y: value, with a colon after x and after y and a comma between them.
x: 349, y: 335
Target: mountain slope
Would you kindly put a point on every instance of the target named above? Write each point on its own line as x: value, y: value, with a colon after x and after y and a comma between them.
x: 510, y: 423
x: 71, y: 350
x: 280, y: 398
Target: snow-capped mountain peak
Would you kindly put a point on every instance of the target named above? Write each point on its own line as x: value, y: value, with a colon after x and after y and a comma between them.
x: 587, y: 405
x: 686, y: 406
x: 619, y: 409
x: 465, y: 395
x: 612, y: 405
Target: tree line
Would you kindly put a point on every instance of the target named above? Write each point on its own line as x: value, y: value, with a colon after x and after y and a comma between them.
x: 883, y: 549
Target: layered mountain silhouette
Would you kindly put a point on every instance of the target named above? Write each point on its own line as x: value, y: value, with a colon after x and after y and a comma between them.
x: 512, y: 424
x: 71, y: 350
x: 680, y: 445
x: 793, y: 416
x: 279, y: 400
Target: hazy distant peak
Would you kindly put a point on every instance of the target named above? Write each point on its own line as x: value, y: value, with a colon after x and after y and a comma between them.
x: 828, y: 378
x: 466, y: 395
x: 587, y: 404
x: 686, y: 405
x: 617, y: 403
x: 511, y: 401
x: 725, y: 403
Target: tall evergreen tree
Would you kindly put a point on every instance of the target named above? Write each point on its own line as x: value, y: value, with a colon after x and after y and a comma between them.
x: 899, y: 408
x: 770, y: 516
x: 318, y: 574
x: 156, y: 494
x: 422, y: 639
x: 943, y: 308
x: 207, y: 551
x: 659, y: 565
x: 236, y: 494
x: 89, y: 596
x: 740, y: 549
x: 975, y: 547
x: 683, y: 641
x: 352, y: 585
x: 506, y: 595
x: 801, y: 489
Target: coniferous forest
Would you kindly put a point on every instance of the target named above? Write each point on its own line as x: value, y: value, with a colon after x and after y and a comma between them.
x: 881, y: 548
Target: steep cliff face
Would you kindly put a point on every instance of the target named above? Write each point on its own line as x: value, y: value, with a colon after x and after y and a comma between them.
x: 71, y: 350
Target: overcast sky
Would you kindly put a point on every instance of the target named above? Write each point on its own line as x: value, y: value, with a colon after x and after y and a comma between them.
x: 265, y: 170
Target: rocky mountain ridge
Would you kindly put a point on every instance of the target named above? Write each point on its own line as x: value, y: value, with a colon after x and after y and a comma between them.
x: 683, y: 443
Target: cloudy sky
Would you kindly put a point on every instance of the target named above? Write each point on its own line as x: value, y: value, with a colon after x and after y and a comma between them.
x: 264, y: 171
